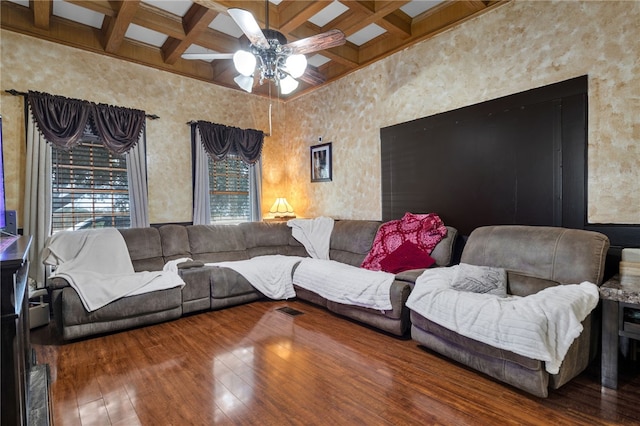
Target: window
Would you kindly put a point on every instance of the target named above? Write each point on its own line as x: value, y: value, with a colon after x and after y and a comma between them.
x: 89, y: 188
x: 229, y: 190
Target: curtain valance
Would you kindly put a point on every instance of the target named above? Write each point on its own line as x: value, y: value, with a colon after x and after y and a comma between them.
x: 62, y: 121
x: 219, y: 141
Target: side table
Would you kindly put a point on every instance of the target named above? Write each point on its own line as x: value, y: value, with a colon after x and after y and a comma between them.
x: 620, y: 318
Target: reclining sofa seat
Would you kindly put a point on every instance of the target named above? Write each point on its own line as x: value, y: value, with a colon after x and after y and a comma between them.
x: 73, y: 321
x: 535, y: 257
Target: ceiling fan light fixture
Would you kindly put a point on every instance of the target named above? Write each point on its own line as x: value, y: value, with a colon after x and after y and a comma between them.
x: 296, y: 65
x: 288, y: 85
x: 245, y: 82
x: 245, y: 62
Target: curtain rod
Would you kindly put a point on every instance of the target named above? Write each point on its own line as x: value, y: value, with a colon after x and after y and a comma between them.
x: 14, y: 92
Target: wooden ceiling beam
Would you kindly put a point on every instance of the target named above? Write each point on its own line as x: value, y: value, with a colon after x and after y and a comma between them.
x: 292, y: 13
x: 365, y: 13
x: 195, y: 22
x: 41, y: 13
x: 116, y: 27
x: 14, y: 17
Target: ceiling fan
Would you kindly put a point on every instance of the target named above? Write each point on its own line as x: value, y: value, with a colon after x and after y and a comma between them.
x: 269, y: 53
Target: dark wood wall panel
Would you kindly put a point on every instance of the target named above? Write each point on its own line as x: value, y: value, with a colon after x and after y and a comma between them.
x: 520, y: 159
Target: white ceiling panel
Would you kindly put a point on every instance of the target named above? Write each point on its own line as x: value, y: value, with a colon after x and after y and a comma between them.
x: 328, y: 14
x: 317, y: 60
x: 223, y: 23
x: 416, y: 7
x: 77, y: 14
x: 177, y: 7
x: 366, y: 34
x: 24, y: 3
x: 145, y: 35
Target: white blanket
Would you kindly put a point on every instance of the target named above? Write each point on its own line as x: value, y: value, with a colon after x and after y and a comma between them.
x: 97, y: 265
x: 270, y: 275
x: 313, y: 234
x: 344, y: 283
x: 540, y: 326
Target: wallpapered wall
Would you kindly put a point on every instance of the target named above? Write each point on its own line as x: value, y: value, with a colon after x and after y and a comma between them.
x: 516, y: 47
x: 513, y: 48
x: 31, y: 64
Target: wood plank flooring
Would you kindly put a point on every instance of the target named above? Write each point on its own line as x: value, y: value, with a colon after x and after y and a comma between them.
x: 255, y: 365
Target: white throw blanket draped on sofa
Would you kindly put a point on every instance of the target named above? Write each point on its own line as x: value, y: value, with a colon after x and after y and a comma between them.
x: 344, y: 283
x: 271, y: 275
x: 97, y: 265
x: 313, y: 234
x: 540, y: 326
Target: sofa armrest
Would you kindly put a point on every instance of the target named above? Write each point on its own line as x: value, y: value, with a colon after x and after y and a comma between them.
x: 190, y: 264
x: 409, y: 276
x: 56, y: 283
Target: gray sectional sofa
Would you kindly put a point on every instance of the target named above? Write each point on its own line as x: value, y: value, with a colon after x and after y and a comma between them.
x: 210, y: 288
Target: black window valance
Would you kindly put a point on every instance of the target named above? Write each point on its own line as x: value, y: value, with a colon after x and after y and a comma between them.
x: 62, y: 121
x: 219, y: 141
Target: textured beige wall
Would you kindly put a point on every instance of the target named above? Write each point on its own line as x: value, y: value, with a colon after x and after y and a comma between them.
x: 516, y: 47
x: 31, y: 64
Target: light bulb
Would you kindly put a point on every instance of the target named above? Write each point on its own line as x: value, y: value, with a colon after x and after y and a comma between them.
x: 245, y: 62
x: 296, y: 64
x: 288, y: 85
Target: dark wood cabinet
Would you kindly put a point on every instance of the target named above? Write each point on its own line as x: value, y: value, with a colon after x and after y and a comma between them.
x: 18, y: 360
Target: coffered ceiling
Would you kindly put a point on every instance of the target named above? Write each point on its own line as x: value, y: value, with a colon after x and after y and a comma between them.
x: 156, y: 33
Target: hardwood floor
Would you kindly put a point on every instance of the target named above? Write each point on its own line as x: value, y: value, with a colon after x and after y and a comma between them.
x: 255, y: 365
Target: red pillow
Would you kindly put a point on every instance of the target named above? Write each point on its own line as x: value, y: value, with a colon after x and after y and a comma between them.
x: 407, y: 256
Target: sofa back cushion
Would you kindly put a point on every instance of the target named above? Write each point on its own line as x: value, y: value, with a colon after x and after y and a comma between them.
x: 175, y: 242
x: 264, y: 238
x: 537, y: 257
x: 217, y: 243
x: 351, y: 240
x: 145, y: 248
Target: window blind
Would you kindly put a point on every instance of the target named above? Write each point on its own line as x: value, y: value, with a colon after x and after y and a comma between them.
x: 229, y: 190
x: 89, y: 188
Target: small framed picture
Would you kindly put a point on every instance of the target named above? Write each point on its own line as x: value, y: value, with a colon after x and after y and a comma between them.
x: 321, y: 163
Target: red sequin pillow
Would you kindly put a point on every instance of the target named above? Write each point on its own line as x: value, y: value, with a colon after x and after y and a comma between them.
x: 407, y: 256
x: 423, y: 230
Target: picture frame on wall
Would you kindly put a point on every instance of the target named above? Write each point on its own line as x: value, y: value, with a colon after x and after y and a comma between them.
x: 321, y: 163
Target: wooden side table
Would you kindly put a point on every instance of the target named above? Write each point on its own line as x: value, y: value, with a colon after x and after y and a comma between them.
x: 620, y: 318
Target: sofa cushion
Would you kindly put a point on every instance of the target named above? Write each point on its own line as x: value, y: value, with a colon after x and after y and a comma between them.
x: 145, y: 248
x: 407, y: 256
x: 351, y: 240
x: 175, y: 242
x: 217, y: 243
x: 263, y: 238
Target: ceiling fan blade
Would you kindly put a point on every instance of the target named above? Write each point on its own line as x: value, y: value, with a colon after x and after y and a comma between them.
x: 317, y: 42
x: 207, y: 56
x: 249, y: 27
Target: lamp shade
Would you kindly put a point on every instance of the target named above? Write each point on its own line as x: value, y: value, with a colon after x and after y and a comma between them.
x: 288, y: 85
x: 245, y: 82
x: 245, y: 62
x: 296, y: 64
x: 281, y: 206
